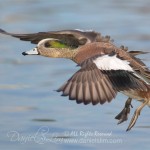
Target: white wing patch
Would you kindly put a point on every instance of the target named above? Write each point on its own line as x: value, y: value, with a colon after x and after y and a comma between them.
x: 107, y: 62
x: 90, y: 30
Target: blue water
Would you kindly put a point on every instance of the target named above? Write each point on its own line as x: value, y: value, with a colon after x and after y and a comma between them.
x: 33, y: 115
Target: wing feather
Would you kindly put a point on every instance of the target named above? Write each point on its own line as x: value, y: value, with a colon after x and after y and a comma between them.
x: 89, y: 85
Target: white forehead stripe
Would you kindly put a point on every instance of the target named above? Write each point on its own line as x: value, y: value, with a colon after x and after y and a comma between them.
x: 107, y: 62
x: 32, y: 52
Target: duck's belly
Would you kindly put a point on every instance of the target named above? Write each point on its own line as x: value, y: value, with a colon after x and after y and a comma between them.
x: 139, y: 95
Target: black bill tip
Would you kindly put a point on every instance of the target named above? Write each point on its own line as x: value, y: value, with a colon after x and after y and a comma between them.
x: 24, y: 53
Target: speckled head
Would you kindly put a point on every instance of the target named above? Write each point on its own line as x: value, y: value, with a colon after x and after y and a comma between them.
x: 51, y: 47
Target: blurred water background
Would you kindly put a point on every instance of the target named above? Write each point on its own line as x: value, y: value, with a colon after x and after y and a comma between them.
x: 32, y: 114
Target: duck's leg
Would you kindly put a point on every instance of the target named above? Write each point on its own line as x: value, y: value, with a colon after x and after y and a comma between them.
x: 136, y: 114
x: 123, y: 115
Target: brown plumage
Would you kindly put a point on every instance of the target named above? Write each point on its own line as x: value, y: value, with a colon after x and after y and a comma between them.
x: 105, y: 69
x: 89, y: 85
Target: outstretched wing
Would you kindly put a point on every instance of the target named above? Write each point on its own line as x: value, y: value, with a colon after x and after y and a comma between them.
x: 99, y: 80
x: 71, y: 37
x: 89, y: 85
x: 122, y: 72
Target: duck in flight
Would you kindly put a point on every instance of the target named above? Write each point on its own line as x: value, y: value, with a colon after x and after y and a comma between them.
x: 104, y: 70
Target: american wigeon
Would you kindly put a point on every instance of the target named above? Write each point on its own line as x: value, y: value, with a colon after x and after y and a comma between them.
x: 105, y: 69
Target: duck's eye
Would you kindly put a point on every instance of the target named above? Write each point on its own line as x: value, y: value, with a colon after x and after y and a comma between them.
x: 34, y: 49
x: 47, y: 44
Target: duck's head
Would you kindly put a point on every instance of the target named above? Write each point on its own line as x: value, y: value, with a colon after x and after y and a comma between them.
x: 54, y: 48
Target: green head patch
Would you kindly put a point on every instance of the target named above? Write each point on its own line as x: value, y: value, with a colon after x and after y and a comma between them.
x: 56, y: 44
